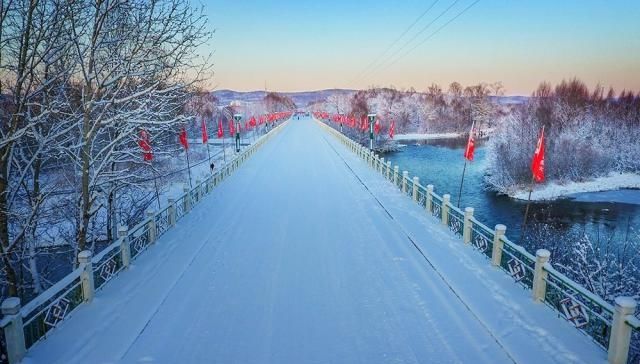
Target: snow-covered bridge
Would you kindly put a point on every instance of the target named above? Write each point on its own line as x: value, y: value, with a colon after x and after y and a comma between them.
x: 306, y: 254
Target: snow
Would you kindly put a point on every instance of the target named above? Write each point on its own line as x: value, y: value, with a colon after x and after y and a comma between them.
x: 304, y: 255
x: 578, y: 190
x: 433, y: 136
x: 428, y: 136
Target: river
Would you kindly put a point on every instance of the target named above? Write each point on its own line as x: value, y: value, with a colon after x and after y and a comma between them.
x: 440, y: 162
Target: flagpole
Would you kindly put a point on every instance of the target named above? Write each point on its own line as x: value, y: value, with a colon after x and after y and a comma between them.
x: 188, y: 167
x: 526, y: 210
x: 224, y: 151
x: 155, y: 184
x: 464, y: 168
x: 461, y: 182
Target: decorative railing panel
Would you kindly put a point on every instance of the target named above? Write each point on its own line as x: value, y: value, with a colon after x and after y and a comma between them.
x: 481, y: 238
x: 109, y: 265
x: 436, y: 206
x: 180, y: 210
x: 53, y: 309
x: 455, y: 220
x: 138, y: 240
x: 518, y: 263
x: 162, y: 222
x: 580, y: 308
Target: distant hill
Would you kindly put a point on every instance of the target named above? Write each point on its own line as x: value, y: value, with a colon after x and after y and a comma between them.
x: 303, y: 98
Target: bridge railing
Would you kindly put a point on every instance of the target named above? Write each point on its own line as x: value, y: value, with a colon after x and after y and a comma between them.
x: 614, y: 327
x: 23, y: 326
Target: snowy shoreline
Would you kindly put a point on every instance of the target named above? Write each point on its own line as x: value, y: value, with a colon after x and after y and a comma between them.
x: 434, y: 136
x: 429, y: 136
x: 554, y: 191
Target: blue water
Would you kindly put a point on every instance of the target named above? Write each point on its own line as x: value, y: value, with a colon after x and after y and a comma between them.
x: 440, y: 162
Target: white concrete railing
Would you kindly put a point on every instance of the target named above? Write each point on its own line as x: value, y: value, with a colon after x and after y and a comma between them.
x: 610, y: 327
x: 24, y: 326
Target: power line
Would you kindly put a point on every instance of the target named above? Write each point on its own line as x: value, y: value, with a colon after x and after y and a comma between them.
x: 432, y: 34
x: 395, y: 41
x: 415, y: 36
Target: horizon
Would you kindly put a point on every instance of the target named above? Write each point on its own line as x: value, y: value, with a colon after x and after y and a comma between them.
x: 350, y: 47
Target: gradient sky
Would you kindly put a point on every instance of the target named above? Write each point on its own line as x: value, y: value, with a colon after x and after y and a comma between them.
x: 308, y: 45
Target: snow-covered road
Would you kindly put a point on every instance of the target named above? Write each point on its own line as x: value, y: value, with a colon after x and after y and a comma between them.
x: 304, y: 255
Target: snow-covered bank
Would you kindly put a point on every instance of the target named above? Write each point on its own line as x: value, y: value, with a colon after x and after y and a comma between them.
x: 432, y: 136
x: 553, y: 191
x: 428, y: 136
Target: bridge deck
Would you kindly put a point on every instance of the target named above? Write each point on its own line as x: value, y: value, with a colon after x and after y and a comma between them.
x: 303, y: 256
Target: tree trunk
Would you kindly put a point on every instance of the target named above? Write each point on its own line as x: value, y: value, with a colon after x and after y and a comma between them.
x: 85, y: 201
x: 4, y: 237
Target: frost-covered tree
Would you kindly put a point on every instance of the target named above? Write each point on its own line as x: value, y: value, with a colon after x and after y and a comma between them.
x: 586, y: 136
x: 78, y: 82
x: 136, y: 61
x: 33, y: 46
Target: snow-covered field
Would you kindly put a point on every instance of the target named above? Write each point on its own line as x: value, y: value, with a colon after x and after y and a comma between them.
x: 305, y: 255
x: 612, y: 182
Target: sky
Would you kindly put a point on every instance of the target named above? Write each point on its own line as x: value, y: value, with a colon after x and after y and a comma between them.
x: 306, y: 45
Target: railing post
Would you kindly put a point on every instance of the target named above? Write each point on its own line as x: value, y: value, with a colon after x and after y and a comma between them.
x: 382, y: 165
x: 125, y: 251
x: 171, y: 212
x: 620, y: 338
x: 429, y: 198
x: 396, y: 169
x: 415, y: 188
x: 539, y: 289
x: 86, y: 277
x: 151, y: 215
x: 496, y: 254
x: 13, y: 331
x: 198, y: 190
x: 445, y: 208
x: 187, y: 198
x: 405, y: 177
x: 466, y: 230
x: 388, y: 169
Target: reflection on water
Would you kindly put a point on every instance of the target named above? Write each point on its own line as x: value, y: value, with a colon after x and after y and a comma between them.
x: 440, y: 162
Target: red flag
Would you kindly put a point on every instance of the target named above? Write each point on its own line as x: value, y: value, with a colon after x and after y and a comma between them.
x: 144, y: 144
x: 183, y: 139
x: 471, y: 144
x: 537, y: 165
x: 392, y: 129
x: 252, y: 121
x: 220, y: 131
x: 376, y: 127
x: 205, y: 135
x: 232, y: 128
